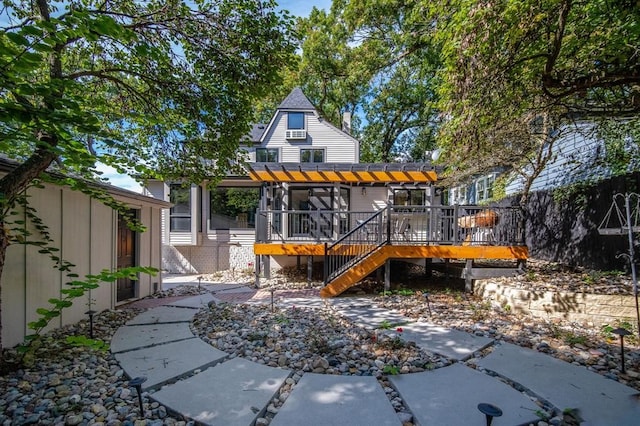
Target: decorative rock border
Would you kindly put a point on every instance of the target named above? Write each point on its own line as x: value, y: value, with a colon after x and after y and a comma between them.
x: 577, y: 307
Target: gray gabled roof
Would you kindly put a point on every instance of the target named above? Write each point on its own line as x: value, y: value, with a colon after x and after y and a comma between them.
x: 296, y: 100
x: 257, y: 130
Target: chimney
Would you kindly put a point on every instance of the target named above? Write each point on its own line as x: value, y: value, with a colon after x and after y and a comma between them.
x: 346, y: 122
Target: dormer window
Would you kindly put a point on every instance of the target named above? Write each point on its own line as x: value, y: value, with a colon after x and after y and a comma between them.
x: 295, y: 120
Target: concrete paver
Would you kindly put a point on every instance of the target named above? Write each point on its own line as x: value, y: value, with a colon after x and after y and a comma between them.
x: 458, y: 345
x: 163, y: 314
x: 233, y: 393
x: 162, y: 363
x: 140, y: 336
x: 365, y: 314
x: 323, y: 399
x: 199, y: 301
x: 600, y: 401
x: 450, y: 396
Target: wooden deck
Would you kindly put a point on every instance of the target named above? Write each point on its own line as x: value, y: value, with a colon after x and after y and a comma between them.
x: 354, y: 244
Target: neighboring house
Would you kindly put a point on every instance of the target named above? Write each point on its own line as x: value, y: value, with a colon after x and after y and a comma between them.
x: 90, y: 235
x: 578, y: 155
x: 478, y: 190
x: 307, y: 197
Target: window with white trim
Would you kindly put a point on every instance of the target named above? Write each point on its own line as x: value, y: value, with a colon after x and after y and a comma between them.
x: 312, y: 155
x: 484, y: 187
x: 180, y: 213
x: 295, y: 120
x: 266, y: 155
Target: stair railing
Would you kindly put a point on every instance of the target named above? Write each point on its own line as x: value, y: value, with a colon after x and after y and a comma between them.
x: 360, y: 242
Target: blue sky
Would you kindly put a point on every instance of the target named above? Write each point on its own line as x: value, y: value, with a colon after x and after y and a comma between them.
x: 295, y: 7
x: 303, y: 7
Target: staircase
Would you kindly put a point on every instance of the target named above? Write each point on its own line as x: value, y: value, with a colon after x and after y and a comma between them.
x: 354, y: 274
x: 356, y: 254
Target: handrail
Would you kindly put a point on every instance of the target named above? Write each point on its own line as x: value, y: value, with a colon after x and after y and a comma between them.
x: 354, y: 246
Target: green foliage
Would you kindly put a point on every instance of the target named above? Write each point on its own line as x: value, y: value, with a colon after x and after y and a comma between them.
x: 392, y: 370
x: 95, y: 344
x: 480, y: 311
x: 27, y: 228
x: 576, y: 192
x: 74, y: 290
x: 385, y: 325
x: 627, y: 324
x: 574, y: 339
x: 151, y: 89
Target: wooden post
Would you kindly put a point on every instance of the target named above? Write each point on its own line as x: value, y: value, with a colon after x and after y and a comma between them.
x: 387, y: 275
x: 309, y: 268
x: 298, y: 266
x: 257, y: 271
x: 267, y: 266
x: 428, y: 267
x: 468, y: 276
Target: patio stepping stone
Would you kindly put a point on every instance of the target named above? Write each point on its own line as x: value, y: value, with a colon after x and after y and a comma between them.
x: 454, y: 344
x: 600, y: 401
x: 450, y: 396
x: 164, y: 314
x: 324, y: 399
x: 131, y: 337
x: 232, y: 393
x: 163, y: 363
x: 364, y: 314
x: 199, y: 301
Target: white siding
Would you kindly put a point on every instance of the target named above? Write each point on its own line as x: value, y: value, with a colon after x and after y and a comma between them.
x: 374, y: 199
x: 339, y: 147
x: 574, y: 160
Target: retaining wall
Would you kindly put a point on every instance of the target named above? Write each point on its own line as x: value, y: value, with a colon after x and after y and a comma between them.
x: 576, y: 307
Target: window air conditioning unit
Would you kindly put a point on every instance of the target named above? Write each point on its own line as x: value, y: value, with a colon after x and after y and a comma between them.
x: 296, y: 134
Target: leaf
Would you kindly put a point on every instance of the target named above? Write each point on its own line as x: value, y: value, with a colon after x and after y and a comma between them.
x: 17, y: 38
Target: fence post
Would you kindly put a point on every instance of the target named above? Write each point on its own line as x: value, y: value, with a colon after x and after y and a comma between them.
x: 388, y: 223
x: 455, y: 224
x: 326, y: 264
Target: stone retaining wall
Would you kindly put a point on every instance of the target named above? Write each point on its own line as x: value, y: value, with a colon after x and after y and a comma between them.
x: 576, y: 307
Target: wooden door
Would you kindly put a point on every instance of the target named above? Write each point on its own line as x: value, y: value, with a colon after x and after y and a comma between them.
x: 126, y: 257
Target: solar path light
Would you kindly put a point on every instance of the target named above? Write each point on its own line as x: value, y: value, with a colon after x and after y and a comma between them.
x: 621, y: 332
x: 137, y: 383
x: 91, y: 313
x: 490, y: 411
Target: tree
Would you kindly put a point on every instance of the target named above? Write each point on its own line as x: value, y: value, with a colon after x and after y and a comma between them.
x: 364, y: 56
x: 510, y: 61
x: 333, y: 73
x: 150, y: 88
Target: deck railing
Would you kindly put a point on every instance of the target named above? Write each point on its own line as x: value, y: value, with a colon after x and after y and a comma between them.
x: 419, y: 225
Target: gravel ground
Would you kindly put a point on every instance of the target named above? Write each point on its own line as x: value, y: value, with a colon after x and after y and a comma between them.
x: 79, y: 385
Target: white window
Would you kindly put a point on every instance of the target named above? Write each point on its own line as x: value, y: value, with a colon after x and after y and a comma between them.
x: 484, y: 187
x: 266, y: 155
x: 312, y: 155
x: 458, y: 195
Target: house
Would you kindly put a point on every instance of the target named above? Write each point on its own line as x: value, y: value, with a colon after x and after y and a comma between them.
x: 90, y: 235
x: 306, y: 196
x: 211, y: 230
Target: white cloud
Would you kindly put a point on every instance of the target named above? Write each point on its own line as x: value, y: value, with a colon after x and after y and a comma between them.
x: 117, y: 179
